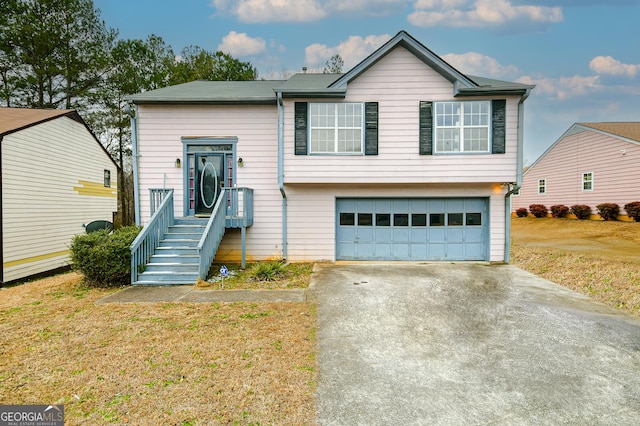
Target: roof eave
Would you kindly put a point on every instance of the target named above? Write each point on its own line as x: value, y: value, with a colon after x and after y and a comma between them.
x: 419, y: 50
x: 157, y: 101
x: 491, y: 91
x: 339, y: 92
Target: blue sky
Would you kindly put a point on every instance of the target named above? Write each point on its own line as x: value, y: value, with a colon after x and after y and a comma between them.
x: 583, y: 55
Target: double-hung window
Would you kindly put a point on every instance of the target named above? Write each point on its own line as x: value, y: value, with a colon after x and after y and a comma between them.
x: 462, y: 126
x: 587, y: 181
x: 542, y: 186
x: 336, y: 128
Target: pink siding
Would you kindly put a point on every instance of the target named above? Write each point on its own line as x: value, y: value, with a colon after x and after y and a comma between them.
x: 161, y: 130
x: 616, y: 175
x: 398, y: 83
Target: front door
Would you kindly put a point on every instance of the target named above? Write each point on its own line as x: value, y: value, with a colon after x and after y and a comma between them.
x: 209, y: 181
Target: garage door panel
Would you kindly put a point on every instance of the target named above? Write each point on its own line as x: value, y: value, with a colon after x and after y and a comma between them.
x: 411, y: 229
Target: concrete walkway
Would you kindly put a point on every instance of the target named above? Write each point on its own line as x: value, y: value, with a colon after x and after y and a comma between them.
x: 467, y: 344
x: 188, y: 293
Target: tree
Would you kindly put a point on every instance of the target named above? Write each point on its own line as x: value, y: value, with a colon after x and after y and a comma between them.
x: 195, y: 63
x: 137, y: 66
x: 59, y: 49
x: 333, y: 65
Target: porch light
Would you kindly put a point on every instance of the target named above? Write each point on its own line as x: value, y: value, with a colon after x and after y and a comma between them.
x: 240, y: 163
x: 178, y: 163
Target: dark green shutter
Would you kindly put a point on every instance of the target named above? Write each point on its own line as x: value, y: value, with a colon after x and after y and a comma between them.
x: 371, y: 128
x: 300, y: 117
x: 498, y: 126
x: 426, y: 128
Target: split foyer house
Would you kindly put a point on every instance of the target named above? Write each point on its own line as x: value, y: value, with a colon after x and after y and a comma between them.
x: 402, y: 157
x: 591, y: 163
x: 56, y: 177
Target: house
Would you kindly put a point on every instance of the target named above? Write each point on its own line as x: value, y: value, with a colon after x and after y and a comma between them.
x: 56, y: 177
x: 591, y: 163
x: 402, y: 157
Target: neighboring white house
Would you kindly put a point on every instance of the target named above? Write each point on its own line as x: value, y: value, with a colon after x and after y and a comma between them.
x: 401, y: 158
x: 56, y: 177
x: 591, y: 163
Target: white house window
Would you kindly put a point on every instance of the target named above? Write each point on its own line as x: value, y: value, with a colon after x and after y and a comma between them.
x: 462, y: 126
x: 542, y: 186
x: 107, y: 178
x: 335, y: 128
x: 587, y: 181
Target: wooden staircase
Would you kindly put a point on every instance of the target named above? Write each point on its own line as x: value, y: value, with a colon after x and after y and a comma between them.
x: 176, y: 258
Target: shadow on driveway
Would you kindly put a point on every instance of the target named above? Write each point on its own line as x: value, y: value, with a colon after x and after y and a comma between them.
x: 422, y: 344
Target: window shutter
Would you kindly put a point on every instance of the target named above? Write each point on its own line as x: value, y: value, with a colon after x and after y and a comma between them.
x: 426, y: 128
x: 300, y: 117
x: 498, y: 126
x: 371, y: 128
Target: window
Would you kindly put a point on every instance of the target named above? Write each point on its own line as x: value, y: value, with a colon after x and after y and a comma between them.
x: 383, y: 219
x: 462, y: 126
x: 335, y: 128
x: 542, y: 186
x: 107, y: 178
x: 347, y: 219
x: 587, y: 181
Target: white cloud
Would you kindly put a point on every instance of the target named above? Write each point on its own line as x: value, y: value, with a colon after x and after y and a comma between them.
x: 482, y: 14
x: 240, y: 44
x: 478, y: 64
x: 262, y: 11
x: 563, y: 88
x: 352, y: 51
x: 606, y: 65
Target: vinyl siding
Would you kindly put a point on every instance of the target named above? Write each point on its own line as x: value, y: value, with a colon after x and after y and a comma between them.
x: 398, y: 82
x: 311, y: 213
x: 161, y: 129
x: 41, y: 210
x: 616, y: 175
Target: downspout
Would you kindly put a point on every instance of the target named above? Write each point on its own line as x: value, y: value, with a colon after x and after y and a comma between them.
x: 281, y: 173
x: 135, y: 155
x: 1, y: 221
x: 514, y: 188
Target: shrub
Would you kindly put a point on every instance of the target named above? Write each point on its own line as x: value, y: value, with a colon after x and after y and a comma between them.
x: 608, y: 211
x: 538, y: 210
x: 581, y: 211
x: 103, y: 258
x: 633, y: 210
x: 522, y: 212
x: 267, y: 271
x: 559, y: 210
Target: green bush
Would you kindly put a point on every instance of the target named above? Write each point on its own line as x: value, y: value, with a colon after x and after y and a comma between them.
x: 633, y: 210
x: 559, y: 210
x: 103, y: 258
x: 522, y: 212
x: 582, y: 211
x: 538, y: 210
x: 608, y: 211
x: 267, y: 271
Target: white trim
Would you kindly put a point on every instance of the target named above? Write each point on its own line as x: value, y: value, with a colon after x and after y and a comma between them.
x: 543, y: 186
x: 336, y: 128
x: 592, y: 181
x: 461, y: 127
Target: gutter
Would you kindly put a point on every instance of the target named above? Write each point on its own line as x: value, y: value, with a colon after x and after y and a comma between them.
x: 134, y: 148
x: 281, y: 173
x: 514, y: 188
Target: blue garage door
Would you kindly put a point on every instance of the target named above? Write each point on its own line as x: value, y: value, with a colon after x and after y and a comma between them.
x: 411, y: 229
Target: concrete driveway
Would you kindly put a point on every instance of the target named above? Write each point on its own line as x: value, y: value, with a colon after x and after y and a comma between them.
x: 469, y: 344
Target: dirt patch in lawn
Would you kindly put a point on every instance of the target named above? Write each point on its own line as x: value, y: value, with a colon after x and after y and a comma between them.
x: 596, y: 258
x: 156, y: 363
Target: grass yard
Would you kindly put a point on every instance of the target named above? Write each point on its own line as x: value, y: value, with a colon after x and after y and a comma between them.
x: 596, y: 258
x: 169, y: 363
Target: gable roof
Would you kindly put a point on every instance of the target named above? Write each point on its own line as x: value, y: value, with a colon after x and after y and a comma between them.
x: 628, y: 131
x: 14, y: 119
x: 324, y: 85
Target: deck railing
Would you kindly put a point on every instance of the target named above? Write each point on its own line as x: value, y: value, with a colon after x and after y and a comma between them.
x: 212, y: 235
x: 239, y: 207
x: 156, y: 196
x: 144, y: 246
